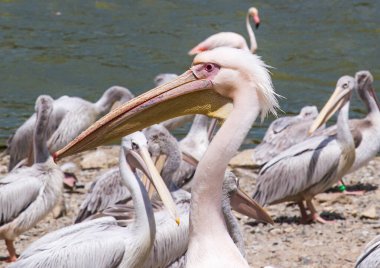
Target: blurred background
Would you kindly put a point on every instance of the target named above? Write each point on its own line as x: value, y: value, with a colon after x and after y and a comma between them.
x: 80, y: 48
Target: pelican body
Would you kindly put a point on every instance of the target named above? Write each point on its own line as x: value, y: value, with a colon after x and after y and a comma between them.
x: 28, y: 194
x: 311, y: 167
x: 364, y: 131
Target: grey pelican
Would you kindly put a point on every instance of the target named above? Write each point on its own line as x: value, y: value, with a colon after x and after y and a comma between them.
x: 217, y: 78
x: 370, y: 258
x: 102, y: 242
x: 108, y: 190
x: 28, y: 194
x: 312, y: 166
x: 70, y: 116
x: 283, y: 133
x: 365, y: 131
x: 231, y: 39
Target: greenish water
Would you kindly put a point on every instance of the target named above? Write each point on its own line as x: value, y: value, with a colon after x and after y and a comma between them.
x: 80, y: 48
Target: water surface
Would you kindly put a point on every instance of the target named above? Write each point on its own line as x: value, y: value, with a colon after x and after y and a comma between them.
x: 80, y: 48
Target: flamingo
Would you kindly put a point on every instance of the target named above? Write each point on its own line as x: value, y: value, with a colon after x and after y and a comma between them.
x: 231, y: 39
x: 28, y: 194
x: 217, y: 78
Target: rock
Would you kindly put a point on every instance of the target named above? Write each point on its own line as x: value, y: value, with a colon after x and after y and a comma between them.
x: 288, y: 230
x: 243, y: 159
x: 275, y: 231
x: 354, y: 213
x: 370, y: 213
x: 97, y: 159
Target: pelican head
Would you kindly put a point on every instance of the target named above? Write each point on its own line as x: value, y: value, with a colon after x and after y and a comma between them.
x: 254, y: 13
x: 342, y: 94
x: 215, y: 80
x: 364, y: 80
x: 309, y: 112
x: 135, y: 147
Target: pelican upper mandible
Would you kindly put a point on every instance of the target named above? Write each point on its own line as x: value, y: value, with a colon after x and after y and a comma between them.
x: 217, y: 78
x: 231, y: 39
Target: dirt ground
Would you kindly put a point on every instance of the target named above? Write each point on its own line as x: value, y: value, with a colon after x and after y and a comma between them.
x: 285, y: 244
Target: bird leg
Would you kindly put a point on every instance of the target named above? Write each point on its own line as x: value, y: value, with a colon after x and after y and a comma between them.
x: 304, y: 217
x: 12, y: 251
x: 314, y: 215
x: 342, y: 188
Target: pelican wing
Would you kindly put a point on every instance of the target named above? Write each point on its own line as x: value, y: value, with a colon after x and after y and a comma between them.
x: 356, y: 125
x: 183, y: 174
x: 73, y: 123
x: 96, y: 243
x: 171, y: 240
x: 180, y: 263
x: 282, y: 134
x: 301, y: 167
x: 371, y: 255
x: 17, y: 191
x: 280, y: 124
x: 104, y: 192
x: 21, y: 142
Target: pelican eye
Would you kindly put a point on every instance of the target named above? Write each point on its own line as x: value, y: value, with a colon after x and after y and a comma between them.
x: 135, y: 146
x: 209, y: 67
x: 345, y: 85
